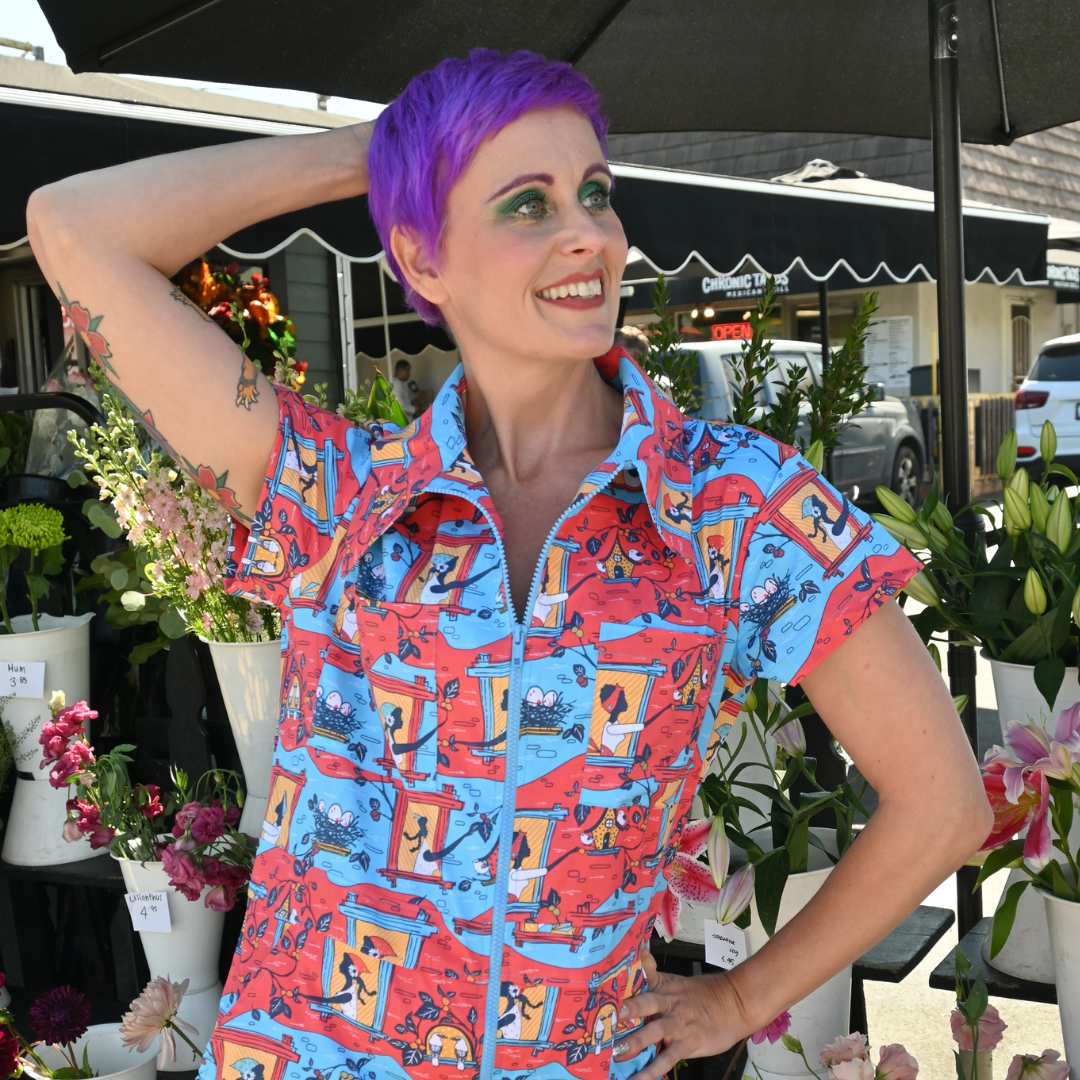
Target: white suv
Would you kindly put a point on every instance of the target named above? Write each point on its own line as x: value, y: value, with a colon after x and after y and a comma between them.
x: 1051, y: 391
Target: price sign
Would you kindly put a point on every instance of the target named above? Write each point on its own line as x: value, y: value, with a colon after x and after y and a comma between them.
x: 725, y: 946
x: 22, y: 678
x: 149, y: 911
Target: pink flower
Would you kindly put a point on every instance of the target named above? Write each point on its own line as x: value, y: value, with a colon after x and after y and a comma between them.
x: 687, y: 879
x: 736, y: 895
x: 152, y: 808
x: 181, y: 871
x: 208, y: 824
x: 1009, y: 817
x: 856, y: 1069
x: 70, y: 832
x: 991, y: 1028
x: 844, y: 1048
x: 153, y: 1012
x: 1031, y: 748
x: 72, y: 762
x: 219, y: 899
x: 773, y: 1031
x: 895, y: 1063
x: 1047, y: 1066
x: 184, y: 816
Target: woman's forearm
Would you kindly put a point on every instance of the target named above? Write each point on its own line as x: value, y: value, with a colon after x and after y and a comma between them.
x: 168, y: 210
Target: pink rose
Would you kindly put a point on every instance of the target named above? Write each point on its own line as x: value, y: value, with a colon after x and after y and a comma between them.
x: 895, y: 1063
x: 844, y: 1048
x: 991, y: 1029
x: 208, y: 824
x: 71, y: 831
x: 181, y: 872
x: 219, y: 899
x: 855, y: 1069
x: 1047, y: 1066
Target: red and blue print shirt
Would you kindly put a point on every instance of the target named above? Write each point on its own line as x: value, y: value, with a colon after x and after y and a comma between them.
x: 470, y: 818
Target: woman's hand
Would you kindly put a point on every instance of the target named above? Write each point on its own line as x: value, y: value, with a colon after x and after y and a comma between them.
x: 690, y: 1018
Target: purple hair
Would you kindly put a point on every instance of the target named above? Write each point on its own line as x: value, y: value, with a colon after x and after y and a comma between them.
x: 427, y: 138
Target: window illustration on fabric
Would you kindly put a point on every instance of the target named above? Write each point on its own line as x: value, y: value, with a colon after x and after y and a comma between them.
x: 418, y: 836
x: 312, y: 585
x: 447, y: 572
x: 620, y: 701
x: 817, y: 518
x: 526, y: 1010
x: 285, y: 788
x: 307, y: 474
x: 551, y: 599
x: 721, y: 534
x: 246, y: 1055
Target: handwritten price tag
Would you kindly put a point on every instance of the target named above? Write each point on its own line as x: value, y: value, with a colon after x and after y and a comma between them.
x: 22, y: 678
x: 149, y: 911
x: 725, y: 946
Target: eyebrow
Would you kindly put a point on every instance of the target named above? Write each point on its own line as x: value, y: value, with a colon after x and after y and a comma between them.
x: 547, y: 178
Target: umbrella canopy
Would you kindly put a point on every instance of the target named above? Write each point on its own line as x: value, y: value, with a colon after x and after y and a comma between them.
x: 681, y: 65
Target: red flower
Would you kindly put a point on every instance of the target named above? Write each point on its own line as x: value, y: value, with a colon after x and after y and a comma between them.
x: 182, y: 873
x: 184, y: 816
x: 60, y: 1016
x: 9, y: 1053
x: 152, y: 808
x: 80, y: 319
x: 1009, y: 818
x: 72, y: 762
x: 208, y: 825
x: 205, y: 476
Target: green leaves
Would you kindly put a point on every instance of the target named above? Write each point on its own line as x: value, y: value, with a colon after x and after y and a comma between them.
x: 753, y: 366
x: 1005, y: 916
x: 103, y: 517
x: 172, y: 623
x: 1049, y: 675
x: 770, y: 876
x: 671, y: 367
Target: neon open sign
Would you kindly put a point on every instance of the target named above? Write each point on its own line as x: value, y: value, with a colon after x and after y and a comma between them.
x: 731, y: 331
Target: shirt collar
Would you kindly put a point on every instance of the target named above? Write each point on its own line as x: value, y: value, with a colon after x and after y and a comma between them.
x: 431, y: 455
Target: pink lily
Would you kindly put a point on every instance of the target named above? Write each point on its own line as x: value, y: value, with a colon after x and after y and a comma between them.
x: 736, y: 895
x: 791, y: 737
x: 687, y: 879
x: 1031, y: 748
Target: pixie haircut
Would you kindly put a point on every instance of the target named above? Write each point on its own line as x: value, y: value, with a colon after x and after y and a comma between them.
x: 427, y: 138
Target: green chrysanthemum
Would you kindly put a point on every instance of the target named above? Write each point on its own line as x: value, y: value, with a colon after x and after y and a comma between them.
x: 33, y: 526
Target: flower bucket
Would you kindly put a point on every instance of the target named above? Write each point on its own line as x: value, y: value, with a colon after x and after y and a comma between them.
x: 38, y: 810
x: 249, y: 674
x: 822, y: 1015
x: 1063, y: 918
x: 189, y: 952
x: 1018, y: 697
x: 108, y: 1056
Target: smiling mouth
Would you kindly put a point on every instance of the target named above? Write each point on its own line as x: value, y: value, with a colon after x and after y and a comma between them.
x: 583, y: 290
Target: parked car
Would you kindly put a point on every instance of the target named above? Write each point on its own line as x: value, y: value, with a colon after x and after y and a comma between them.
x: 883, y: 446
x: 1051, y: 391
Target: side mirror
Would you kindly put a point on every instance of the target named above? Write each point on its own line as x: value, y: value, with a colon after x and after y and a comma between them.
x: 877, y: 391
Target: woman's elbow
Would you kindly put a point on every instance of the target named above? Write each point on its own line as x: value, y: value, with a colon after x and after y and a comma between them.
x: 48, y: 226
x: 972, y: 817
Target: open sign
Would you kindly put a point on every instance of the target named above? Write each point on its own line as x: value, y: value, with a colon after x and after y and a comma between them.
x: 731, y: 331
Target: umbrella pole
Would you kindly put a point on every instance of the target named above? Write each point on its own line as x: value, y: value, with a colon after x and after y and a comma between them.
x: 955, y: 452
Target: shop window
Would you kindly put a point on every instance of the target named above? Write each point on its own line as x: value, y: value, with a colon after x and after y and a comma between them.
x: 1021, y: 341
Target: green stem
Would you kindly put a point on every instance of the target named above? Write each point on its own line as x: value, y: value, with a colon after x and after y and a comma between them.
x: 33, y: 598
x: 5, y: 566
x: 194, y: 1049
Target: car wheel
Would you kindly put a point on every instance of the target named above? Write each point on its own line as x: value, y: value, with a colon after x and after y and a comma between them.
x: 906, y: 480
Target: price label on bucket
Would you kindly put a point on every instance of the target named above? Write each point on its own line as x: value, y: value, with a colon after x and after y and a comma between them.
x: 725, y: 946
x: 149, y: 911
x: 22, y: 678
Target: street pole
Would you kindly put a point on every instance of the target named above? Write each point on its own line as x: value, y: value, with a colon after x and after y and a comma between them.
x: 826, y: 354
x: 955, y: 454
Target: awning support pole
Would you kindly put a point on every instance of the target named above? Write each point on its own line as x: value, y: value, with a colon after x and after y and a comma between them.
x: 955, y: 455
x: 826, y: 355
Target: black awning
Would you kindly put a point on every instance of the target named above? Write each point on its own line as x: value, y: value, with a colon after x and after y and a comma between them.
x: 669, y: 216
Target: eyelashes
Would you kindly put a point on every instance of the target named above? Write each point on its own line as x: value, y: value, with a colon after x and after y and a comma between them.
x: 532, y: 205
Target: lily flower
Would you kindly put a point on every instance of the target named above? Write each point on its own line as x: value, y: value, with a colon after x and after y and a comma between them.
x: 687, y: 879
x: 717, y: 851
x: 1031, y: 748
x: 1009, y: 817
x: 736, y: 895
x: 791, y: 737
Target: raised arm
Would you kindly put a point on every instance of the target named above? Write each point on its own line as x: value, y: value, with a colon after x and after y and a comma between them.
x: 108, y: 241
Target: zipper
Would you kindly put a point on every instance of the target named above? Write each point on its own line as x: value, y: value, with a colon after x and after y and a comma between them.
x: 510, y: 768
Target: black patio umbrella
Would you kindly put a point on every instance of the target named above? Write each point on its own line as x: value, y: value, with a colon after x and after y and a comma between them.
x: 993, y: 69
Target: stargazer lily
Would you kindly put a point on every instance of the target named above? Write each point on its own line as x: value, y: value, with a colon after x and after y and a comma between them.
x: 687, y: 879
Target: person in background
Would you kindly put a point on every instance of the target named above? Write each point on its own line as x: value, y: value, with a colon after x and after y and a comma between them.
x: 633, y: 340
x: 405, y: 389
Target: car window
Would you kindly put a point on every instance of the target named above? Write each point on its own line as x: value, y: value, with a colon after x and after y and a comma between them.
x: 784, y: 364
x: 1058, y: 363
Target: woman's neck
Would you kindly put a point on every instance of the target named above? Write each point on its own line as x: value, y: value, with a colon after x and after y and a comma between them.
x: 522, y: 418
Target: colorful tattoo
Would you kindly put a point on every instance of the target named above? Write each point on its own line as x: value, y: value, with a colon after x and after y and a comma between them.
x: 247, y: 389
x: 87, y: 328
x: 216, y: 487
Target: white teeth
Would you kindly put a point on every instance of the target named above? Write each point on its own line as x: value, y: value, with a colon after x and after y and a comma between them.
x: 577, y: 288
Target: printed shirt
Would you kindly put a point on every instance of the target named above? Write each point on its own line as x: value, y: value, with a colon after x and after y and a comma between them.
x: 469, y: 818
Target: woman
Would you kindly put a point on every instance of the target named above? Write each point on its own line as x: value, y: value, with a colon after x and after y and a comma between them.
x: 569, y: 525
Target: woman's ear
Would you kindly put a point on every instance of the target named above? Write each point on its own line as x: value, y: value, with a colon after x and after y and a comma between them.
x: 417, y: 266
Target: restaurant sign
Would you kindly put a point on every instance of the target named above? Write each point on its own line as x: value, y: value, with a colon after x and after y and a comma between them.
x: 1063, y: 277
x: 742, y: 286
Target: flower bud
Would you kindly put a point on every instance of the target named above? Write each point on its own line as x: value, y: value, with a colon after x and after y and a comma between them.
x: 1040, y: 508
x: 1017, y: 514
x: 1006, y: 456
x: 922, y: 589
x: 1020, y: 482
x: 1059, y: 525
x: 942, y: 518
x: 750, y: 701
x: 791, y: 1043
x: 791, y: 737
x: 1076, y: 607
x: 894, y: 505
x: 57, y: 701
x: 736, y: 895
x: 935, y: 654
x: 716, y: 848
x: 1047, y: 443
x: 815, y: 454
x: 1034, y: 593
x: 910, y: 535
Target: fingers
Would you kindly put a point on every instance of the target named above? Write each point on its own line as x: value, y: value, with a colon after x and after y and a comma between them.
x: 661, y: 1065
x: 642, y: 1005
x: 648, y: 965
x: 636, y: 1041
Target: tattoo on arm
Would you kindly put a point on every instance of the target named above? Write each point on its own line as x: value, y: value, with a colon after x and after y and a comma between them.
x: 216, y: 487
x: 182, y: 298
x: 247, y: 388
x: 87, y: 328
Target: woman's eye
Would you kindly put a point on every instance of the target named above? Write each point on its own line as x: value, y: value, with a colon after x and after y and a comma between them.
x: 532, y: 208
x: 530, y: 205
x: 596, y: 197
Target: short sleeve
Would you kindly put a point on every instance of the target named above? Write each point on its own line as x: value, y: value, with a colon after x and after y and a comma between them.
x: 813, y: 568
x: 319, y: 463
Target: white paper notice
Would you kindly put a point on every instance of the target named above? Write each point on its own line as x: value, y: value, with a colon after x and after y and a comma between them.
x: 22, y: 678
x: 889, y: 354
x: 149, y: 911
x: 725, y: 946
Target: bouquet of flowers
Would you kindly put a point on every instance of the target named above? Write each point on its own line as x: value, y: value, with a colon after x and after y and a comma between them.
x: 59, y: 1017
x: 1032, y: 782
x: 178, y: 519
x: 204, y: 849
x: 847, y: 1057
x: 976, y: 1025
